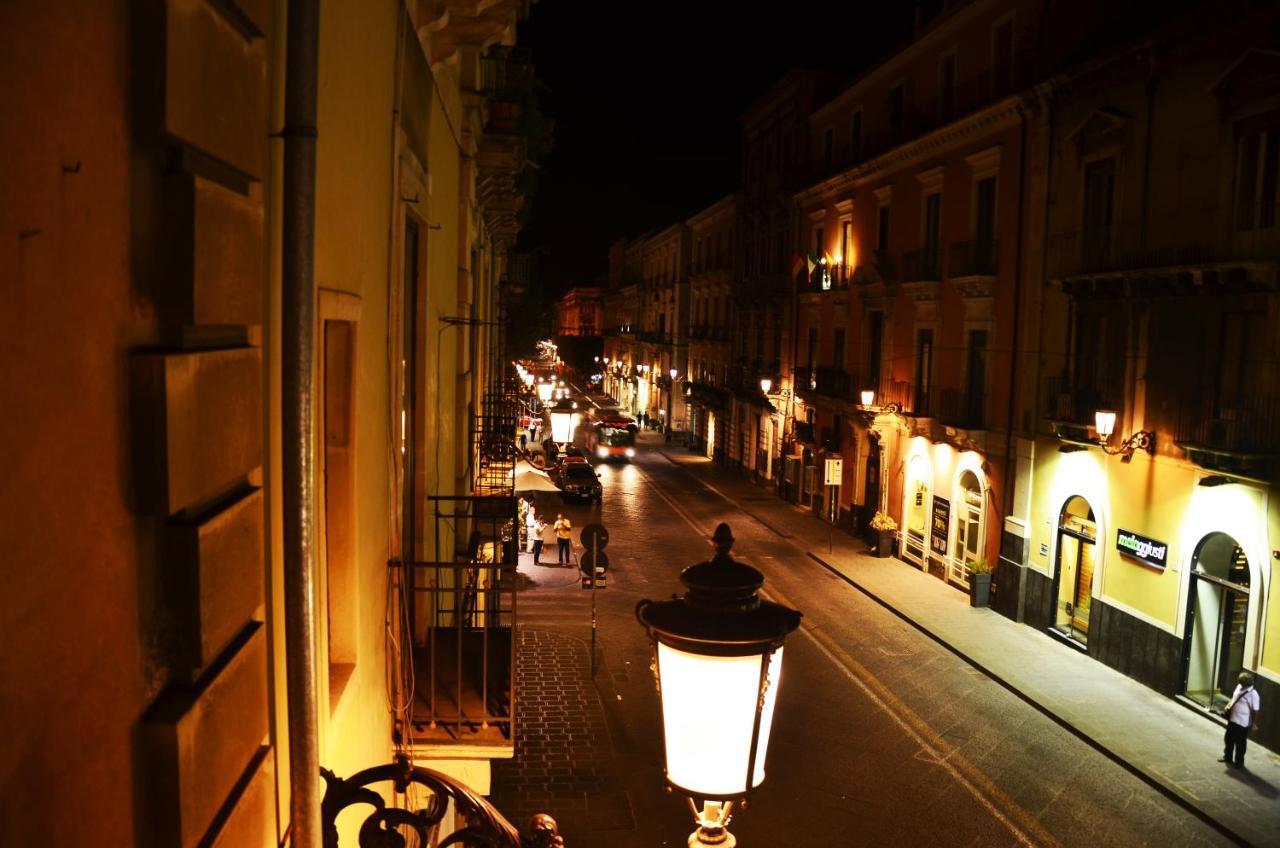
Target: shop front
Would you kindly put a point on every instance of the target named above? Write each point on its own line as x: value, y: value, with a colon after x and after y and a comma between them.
x: 945, y: 510
x: 1159, y: 569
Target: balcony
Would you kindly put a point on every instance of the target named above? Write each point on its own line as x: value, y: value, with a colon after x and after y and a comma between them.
x: 1236, y: 436
x: 922, y: 273
x: 823, y: 279
x: 462, y: 617
x: 971, y: 267
x: 827, y: 382
x: 964, y: 409
x: 1179, y: 252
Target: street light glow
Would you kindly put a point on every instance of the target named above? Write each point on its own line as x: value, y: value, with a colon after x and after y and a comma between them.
x: 765, y: 385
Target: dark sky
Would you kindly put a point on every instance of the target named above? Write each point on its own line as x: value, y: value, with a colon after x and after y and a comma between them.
x: 646, y: 99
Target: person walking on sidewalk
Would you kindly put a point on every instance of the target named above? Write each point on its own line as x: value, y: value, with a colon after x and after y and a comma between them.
x: 540, y: 533
x: 564, y: 533
x: 1242, y: 715
x: 531, y: 523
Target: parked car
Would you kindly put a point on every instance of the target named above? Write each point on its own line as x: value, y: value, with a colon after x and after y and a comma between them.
x: 579, y: 480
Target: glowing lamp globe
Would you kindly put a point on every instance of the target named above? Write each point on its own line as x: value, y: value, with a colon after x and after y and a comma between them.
x: 765, y: 385
x: 1104, y: 421
x: 673, y: 373
x: 564, y: 420
x: 868, y: 397
x: 544, y: 391
x: 717, y: 657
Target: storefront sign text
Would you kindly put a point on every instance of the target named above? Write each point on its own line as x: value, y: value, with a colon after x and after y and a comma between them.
x: 941, y: 525
x: 1140, y: 547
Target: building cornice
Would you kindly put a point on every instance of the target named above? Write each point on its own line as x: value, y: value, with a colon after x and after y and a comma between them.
x: 992, y: 118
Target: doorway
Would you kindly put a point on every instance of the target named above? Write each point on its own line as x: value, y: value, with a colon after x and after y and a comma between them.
x: 915, y: 512
x: 1073, y: 578
x: 968, y: 545
x: 1217, y: 621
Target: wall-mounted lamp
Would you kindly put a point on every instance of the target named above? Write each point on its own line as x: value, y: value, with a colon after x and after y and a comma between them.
x: 868, y: 397
x: 1104, y: 422
x: 765, y: 385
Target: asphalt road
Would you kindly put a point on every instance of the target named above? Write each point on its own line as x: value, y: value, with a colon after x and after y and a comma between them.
x: 881, y: 736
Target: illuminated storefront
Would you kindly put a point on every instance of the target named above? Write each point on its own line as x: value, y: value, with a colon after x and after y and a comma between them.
x: 945, y: 509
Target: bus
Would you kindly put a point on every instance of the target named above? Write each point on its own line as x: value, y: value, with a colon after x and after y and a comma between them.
x: 610, y: 437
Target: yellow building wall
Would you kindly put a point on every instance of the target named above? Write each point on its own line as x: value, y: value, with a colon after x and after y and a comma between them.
x: 354, y: 204
x: 1270, y: 660
x: 1159, y: 498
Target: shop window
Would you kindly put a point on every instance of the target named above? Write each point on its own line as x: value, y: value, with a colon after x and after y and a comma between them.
x: 968, y: 507
x: 1217, y: 620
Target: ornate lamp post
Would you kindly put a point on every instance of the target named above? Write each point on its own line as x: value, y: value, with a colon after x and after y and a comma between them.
x: 1104, y: 423
x: 564, y: 420
x: 717, y: 660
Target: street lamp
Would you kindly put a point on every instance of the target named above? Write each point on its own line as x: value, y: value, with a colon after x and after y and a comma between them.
x: 564, y: 420
x: 717, y: 661
x: 544, y: 391
x: 1104, y: 422
x: 765, y: 385
x: 868, y: 397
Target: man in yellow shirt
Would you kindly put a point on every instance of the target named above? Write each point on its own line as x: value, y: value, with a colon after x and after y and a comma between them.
x: 564, y: 533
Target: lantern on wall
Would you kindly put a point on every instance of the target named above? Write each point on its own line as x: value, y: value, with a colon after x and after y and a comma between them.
x: 765, y: 385
x: 1104, y: 421
x: 717, y: 660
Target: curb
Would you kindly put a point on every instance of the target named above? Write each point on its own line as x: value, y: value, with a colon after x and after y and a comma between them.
x: 1219, y: 826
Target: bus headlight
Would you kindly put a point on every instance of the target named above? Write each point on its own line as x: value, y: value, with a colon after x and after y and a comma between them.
x: 602, y: 452
x: 631, y: 452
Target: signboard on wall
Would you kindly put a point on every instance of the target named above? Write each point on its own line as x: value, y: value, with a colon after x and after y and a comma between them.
x: 1141, y: 548
x: 941, y: 525
x: 834, y: 472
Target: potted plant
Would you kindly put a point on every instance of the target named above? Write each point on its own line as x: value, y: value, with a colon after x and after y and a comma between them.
x: 884, y: 527
x: 979, y: 582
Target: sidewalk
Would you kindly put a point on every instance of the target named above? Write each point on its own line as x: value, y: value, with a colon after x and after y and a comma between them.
x: 1164, y: 743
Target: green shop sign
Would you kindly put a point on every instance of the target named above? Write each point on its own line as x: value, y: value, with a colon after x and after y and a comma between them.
x: 1140, y: 547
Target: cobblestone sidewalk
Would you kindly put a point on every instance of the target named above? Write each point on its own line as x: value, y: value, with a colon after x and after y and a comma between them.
x: 564, y: 761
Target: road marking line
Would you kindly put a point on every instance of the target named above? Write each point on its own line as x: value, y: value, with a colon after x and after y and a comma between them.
x: 1026, y: 829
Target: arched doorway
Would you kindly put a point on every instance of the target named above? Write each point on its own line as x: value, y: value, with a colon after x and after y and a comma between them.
x: 1217, y: 620
x: 918, y: 499
x: 1073, y: 578
x: 872, y: 499
x: 969, y: 533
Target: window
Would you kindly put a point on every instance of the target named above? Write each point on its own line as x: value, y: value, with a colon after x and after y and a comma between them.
x: 930, y: 236
x: 837, y: 349
x: 976, y: 387
x: 819, y: 241
x: 1257, y: 158
x: 882, y: 228
x: 897, y: 107
x: 826, y: 150
x: 1002, y: 58
x: 947, y: 87
x: 855, y: 137
x: 924, y: 370
x: 813, y: 347
x: 1239, y: 368
x: 846, y: 232
x: 875, y: 340
x: 1099, y: 188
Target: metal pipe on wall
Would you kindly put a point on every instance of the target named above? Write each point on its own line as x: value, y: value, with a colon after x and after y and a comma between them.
x: 297, y: 342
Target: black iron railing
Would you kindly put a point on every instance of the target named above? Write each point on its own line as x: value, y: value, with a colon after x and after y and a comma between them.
x: 921, y: 265
x: 962, y: 408
x: 972, y: 258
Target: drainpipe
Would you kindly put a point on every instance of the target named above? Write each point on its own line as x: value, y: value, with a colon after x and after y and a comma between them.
x: 1010, y: 458
x: 297, y: 331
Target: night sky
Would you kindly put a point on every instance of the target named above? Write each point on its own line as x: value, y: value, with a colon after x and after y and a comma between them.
x: 646, y: 99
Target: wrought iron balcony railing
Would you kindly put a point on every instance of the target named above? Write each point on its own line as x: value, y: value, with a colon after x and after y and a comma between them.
x: 921, y: 265
x: 972, y: 258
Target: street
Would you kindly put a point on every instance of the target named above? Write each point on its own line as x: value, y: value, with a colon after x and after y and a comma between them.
x: 881, y: 735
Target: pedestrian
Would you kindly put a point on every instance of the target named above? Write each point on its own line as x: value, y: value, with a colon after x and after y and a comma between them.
x: 564, y: 534
x: 546, y: 538
x: 536, y: 534
x: 524, y: 440
x: 531, y: 529
x: 1242, y: 716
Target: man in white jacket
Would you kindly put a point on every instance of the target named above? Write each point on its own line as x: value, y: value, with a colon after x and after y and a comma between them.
x: 1242, y: 715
